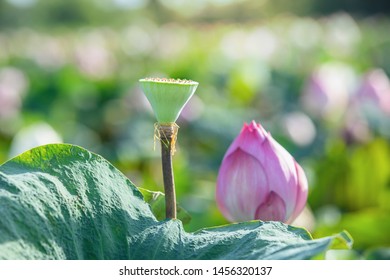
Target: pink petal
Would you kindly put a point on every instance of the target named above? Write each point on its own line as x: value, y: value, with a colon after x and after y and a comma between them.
x: 241, y: 186
x: 281, y: 173
x: 273, y: 209
x: 249, y: 140
x: 302, y: 192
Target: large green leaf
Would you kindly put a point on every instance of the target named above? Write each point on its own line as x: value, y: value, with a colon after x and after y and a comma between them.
x: 63, y: 202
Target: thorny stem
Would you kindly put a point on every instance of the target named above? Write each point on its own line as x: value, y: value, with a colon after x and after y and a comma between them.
x: 166, y: 136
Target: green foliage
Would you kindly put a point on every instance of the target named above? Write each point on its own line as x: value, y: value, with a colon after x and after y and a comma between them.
x: 156, y: 201
x: 378, y: 254
x: 362, y: 175
x: 370, y: 228
x: 63, y: 202
x: 357, y: 181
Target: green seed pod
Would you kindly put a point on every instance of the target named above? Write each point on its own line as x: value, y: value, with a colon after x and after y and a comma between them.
x: 168, y: 96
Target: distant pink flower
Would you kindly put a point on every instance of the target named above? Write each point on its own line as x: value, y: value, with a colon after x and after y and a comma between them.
x: 375, y: 90
x: 326, y: 92
x: 13, y: 84
x: 259, y: 179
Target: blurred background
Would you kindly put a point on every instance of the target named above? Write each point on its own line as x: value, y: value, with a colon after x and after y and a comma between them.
x: 314, y: 73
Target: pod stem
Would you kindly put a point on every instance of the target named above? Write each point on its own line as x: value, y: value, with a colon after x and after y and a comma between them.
x: 167, y: 135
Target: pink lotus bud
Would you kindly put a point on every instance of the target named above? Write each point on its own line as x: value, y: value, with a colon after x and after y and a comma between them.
x: 259, y: 179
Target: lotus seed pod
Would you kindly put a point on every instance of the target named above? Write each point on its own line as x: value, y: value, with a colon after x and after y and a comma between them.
x: 168, y: 96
